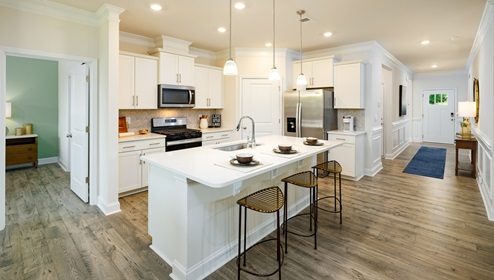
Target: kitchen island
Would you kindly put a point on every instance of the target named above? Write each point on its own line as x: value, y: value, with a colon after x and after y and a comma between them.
x: 193, y: 215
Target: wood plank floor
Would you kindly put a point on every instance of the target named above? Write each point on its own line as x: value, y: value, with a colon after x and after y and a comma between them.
x: 395, y: 226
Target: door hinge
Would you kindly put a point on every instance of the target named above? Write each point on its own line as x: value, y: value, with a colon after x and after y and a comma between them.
x: 87, y: 129
x: 87, y: 79
x: 87, y: 180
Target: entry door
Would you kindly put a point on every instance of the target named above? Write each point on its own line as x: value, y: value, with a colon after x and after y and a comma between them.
x: 79, y: 143
x: 261, y: 101
x: 438, y: 107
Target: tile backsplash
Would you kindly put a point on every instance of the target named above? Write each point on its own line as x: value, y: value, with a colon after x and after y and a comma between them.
x: 141, y: 119
x: 359, y: 118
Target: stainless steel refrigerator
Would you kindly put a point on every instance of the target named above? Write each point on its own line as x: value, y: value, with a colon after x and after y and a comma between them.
x: 309, y: 113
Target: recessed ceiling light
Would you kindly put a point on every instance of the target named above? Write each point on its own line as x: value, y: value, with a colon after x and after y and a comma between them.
x: 156, y: 7
x: 425, y: 42
x: 268, y: 44
x: 328, y: 34
x: 239, y: 6
x: 434, y: 65
x: 221, y: 29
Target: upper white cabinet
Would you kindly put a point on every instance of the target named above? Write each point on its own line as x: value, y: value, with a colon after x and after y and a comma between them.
x: 176, y: 69
x: 138, y: 80
x: 319, y: 72
x: 349, y: 85
x: 209, y: 87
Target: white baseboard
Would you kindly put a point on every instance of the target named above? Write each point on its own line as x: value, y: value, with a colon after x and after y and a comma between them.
x: 49, y: 160
x: 108, y: 209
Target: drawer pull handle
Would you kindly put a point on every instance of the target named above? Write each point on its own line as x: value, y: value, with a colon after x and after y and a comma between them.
x: 341, y: 139
x: 210, y: 137
x: 151, y: 144
x: 224, y: 135
x: 128, y: 147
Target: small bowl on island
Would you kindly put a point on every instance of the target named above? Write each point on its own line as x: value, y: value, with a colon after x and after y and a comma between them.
x: 311, y: 140
x: 285, y: 147
x: 244, y: 158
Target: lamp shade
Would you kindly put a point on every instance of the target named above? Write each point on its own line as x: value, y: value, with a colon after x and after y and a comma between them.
x: 8, y: 109
x: 230, y: 68
x: 467, y: 109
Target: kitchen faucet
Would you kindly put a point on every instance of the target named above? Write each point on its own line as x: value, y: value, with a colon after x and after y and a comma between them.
x: 253, y: 140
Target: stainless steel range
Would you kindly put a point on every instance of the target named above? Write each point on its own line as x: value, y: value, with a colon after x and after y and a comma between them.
x: 178, y: 136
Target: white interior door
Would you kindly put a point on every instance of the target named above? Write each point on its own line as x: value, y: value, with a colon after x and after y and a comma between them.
x: 261, y: 101
x: 3, y: 95
x: 438, y: 107
x: 79, y: 147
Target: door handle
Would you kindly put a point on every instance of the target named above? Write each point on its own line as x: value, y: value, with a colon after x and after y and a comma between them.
x: 69, y: 135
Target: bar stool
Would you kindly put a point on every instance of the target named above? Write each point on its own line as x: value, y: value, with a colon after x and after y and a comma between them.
x: 267, y: 200
x: 305, y: 179
x: 335, y: 168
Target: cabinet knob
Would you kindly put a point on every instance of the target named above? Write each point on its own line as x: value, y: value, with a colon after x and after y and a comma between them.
x: 69, y: 135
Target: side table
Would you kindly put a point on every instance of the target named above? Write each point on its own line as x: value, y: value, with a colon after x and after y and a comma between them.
x: 469, y: 143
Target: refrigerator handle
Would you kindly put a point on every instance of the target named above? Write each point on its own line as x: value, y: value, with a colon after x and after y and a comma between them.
x: 299, y: 119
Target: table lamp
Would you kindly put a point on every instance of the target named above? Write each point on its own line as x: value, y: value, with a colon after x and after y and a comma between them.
x: 8, y: 114
x: 466, y: 110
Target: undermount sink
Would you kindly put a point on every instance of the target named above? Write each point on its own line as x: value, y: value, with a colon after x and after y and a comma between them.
x: 234, y: 147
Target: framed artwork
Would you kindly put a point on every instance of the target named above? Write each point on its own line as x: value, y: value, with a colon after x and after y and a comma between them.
x: 402, y: 101
x: 476, y: 98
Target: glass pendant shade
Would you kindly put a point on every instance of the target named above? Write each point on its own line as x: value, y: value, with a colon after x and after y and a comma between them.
x: 230, y: 68
x: 301, y: 82
x: 274, y: 74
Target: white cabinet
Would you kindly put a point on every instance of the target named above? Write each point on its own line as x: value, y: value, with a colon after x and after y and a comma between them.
x: 216, y: 137
x: 138, y: 80
x: 350, y: 155
x: 349, y: 86
x: 176, y: 69
x: 209, y: 87
x: 132, y: 171
x: 319, y: 72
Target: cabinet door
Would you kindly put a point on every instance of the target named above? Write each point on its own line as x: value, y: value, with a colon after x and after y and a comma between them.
x: 144, y: 165
x: 126, y: 82
x: 215, y: 88
x: 168, y: 72
x: 201, y: 85
x: 129, y: 171
x: 146, y: 83
x: 348, y: 86
x: 345, y: 155
x: 186, y: 70
x: 322, y: 73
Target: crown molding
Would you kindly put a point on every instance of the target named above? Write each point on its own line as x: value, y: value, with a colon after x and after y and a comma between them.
x: 459, y: 73
x: 485, y: 23
x: 52, y: 9
x: 108, y: 12
x: 137, y: 40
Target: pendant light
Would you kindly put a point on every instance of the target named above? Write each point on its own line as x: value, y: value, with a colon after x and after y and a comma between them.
x: 274, y: 74
x: 230, y: 66
x: 301, y: 79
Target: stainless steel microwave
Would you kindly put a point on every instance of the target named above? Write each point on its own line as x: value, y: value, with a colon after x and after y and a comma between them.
x: 173, y: 96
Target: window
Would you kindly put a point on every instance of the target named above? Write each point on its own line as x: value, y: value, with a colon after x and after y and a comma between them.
x: 438, y: 99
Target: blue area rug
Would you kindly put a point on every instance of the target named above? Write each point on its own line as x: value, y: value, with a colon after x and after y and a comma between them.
x: 428, y: 161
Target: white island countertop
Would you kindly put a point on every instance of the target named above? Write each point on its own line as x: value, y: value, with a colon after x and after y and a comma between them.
x: 203, y: 164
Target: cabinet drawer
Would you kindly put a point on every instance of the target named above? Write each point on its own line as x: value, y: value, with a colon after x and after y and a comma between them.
x: 342, y: 137
x: 209, y: 136
x: 141, y: 145
x: 21, y: 158
x: 20, y: 149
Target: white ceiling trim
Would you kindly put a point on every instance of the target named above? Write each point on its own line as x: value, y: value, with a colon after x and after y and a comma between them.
x: 52, y: 9
x: 485, y: 23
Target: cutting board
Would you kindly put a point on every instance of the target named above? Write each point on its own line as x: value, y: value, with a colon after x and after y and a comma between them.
x: 122, y: 125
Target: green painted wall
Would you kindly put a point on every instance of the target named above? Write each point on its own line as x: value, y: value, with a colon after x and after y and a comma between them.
x: 32, y: 87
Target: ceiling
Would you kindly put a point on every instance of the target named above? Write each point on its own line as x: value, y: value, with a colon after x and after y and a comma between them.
x: 398, y: 25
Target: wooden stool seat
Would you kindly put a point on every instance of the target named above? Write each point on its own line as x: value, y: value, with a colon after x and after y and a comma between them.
x: 267, y: 200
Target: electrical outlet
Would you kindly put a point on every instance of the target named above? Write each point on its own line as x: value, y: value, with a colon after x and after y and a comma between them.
x: 127, y: 119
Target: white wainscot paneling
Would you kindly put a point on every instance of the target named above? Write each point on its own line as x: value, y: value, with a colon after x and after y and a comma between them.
x: 377, y: 139
x: 417, y: 130
x: 401, y: 138
x: 484, y: 174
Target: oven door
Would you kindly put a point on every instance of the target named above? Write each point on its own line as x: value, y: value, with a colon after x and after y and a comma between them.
x: 171, y: 96
x: 183, y: 144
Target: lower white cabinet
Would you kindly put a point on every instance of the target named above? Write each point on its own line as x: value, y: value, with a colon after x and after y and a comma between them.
x: 351, y: 154
x: 216, y: 137
x: 132, y: 171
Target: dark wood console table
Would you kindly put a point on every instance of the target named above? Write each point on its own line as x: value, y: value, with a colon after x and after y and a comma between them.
x: 21, y: 149
x: 469, y: 143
